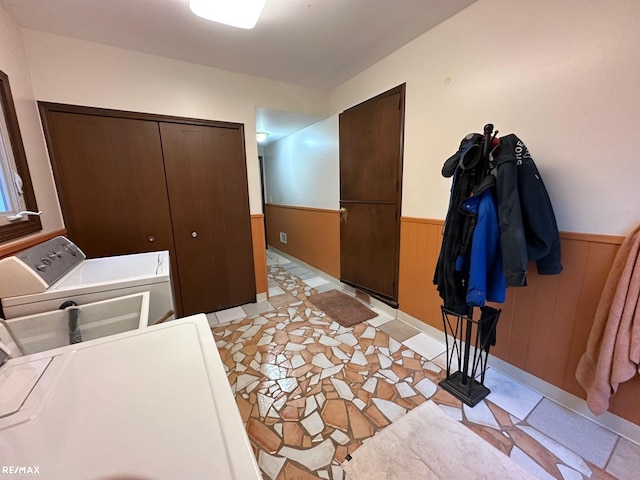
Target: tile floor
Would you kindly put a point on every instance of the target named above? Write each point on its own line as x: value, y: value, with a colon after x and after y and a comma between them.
x: 311, y: 391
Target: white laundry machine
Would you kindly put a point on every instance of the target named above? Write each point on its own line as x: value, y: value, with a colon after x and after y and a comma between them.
x: 41, y: 278
x: 152, y: 403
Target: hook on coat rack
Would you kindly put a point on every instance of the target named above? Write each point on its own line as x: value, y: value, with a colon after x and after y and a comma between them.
x: 488, y: 130
x: 490, y: 144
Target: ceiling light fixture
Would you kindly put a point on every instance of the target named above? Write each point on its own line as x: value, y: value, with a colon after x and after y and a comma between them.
x: 261, y: 136
x: 237, y: 13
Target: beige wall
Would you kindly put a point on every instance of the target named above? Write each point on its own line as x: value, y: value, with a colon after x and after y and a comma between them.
x: 67, y: 70
x: 561, y: 75
x: 13, y: 62
x: 302, y: 169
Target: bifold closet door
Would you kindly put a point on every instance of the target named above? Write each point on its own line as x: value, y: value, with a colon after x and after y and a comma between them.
x: 208, y: 196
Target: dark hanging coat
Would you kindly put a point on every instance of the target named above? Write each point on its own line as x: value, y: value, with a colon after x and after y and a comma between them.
x: 528, y: 229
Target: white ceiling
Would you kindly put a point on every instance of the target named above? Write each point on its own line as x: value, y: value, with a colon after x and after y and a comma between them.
x: 279, y: 124
x: 314, y: 43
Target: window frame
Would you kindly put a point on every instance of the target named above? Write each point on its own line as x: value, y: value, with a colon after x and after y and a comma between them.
x: 31, y: 223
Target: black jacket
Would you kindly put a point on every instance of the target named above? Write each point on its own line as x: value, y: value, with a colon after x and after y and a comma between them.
x: 528, y: 229
x: 468, y: 172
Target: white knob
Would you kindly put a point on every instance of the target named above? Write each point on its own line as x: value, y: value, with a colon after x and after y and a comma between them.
x: 151, y: 238
x: 194, y: 234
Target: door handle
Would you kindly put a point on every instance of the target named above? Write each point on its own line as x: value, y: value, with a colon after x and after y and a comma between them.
x: 194, y: 234
x: 343, y: 214
x: 151, y: 238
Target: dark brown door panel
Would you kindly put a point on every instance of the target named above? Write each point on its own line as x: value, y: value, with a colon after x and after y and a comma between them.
x: 369, y: 238
x: 110, y: 178
x: 371, y: 143
x: 207, y: 185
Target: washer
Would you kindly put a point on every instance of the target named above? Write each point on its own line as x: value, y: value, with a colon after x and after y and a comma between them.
x: 152, y: 403
x: 41, y: 278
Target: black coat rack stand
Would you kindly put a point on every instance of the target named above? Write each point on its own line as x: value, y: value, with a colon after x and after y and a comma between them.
x: 467, y: 336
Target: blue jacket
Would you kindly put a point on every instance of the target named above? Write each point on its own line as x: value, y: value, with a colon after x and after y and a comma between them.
x: 486, y: 275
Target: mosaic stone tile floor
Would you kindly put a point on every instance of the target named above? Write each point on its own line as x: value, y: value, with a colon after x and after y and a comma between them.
x: 311, y: 391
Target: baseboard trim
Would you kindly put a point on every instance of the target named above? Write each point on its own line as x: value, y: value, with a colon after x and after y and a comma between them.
x: 423, y: 327
x: 261, y: 297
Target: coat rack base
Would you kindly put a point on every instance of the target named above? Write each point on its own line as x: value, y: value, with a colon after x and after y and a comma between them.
x: 470, y: 393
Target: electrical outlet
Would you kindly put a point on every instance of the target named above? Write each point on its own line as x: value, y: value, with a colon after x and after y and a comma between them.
x: 283, y: 237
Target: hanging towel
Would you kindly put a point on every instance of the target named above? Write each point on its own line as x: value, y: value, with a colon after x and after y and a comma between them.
x: 613, y: 348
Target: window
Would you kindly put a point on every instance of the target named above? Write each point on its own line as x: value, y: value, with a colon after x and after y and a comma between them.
x: 16, y: 192
x: 9, y: 199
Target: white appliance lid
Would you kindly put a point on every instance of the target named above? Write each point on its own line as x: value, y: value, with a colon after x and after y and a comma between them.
x: 153, y: 403
x: 115, y: 269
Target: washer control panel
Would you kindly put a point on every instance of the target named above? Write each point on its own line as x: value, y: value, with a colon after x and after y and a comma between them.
x: 52, y: 259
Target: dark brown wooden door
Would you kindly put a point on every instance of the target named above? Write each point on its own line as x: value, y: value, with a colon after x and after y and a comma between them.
x: 207, y: 184
x: 371, y: 136
x: 114, y: 196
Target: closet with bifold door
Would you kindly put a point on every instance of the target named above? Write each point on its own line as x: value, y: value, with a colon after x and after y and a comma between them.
x: 132, y: 182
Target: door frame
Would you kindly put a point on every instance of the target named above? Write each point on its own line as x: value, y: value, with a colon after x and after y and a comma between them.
x: 46, y: 107
x: 264, y: 200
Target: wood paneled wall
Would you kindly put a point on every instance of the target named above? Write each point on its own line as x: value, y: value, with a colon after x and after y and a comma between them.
x: 259, y: 253
x: 313, y: 235
x: 13, y: 247
x: 420, y: 241
x: 544, y: 327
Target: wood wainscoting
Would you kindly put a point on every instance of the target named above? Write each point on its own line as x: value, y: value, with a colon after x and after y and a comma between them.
x: 313, y: 235
x: 16, y: 246
x: 544, y: 327
x: 259, y: 253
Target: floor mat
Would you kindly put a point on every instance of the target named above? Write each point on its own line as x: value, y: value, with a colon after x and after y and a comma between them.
x: 344, y: 309
x: 427, y: 444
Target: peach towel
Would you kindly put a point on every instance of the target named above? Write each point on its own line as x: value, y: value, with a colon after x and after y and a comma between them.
x: 613, y: 349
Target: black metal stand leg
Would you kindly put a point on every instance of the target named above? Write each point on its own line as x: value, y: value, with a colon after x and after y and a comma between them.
x: 462, y: 384
x: 467, y: 343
